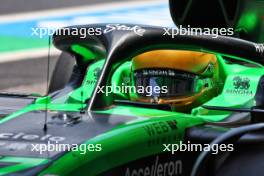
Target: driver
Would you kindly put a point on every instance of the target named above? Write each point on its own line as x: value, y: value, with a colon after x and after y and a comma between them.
x: 189, y: 78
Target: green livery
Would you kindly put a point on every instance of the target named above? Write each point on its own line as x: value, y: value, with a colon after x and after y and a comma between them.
x: 89, y: 128
x: 120, y: 135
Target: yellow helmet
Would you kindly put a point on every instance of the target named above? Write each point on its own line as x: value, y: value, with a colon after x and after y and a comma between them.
x: 189, y: 77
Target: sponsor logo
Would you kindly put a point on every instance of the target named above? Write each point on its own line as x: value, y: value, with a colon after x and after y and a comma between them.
x: 161, y: 132
x: 30, y: 137
x: 161, y: 127
x: 239, y: 92
x: 91, y: 82
x: 97, y: 73
x: 118, y: 27
x: 157, y: 168
x: 241, y: 86
x: 241, y: 83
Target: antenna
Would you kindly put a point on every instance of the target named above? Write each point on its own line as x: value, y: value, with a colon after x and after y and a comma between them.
x: 82, y: 111
x: 45, y: 128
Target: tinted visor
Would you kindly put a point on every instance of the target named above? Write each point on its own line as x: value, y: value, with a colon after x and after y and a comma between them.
x: 173, y: 83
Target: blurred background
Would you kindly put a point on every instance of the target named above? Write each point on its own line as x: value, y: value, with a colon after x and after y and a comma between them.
x: 23, y: 55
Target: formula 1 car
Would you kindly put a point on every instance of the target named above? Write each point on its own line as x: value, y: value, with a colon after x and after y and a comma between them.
x: 141, y: 102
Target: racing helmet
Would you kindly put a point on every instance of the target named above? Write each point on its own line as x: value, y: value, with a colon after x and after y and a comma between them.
x: 180, y: 79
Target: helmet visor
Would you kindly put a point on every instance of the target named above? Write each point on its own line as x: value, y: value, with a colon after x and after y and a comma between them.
x: 173, y: 83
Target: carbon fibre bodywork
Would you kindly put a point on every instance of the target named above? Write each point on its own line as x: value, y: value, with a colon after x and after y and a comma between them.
x: 129, y: 133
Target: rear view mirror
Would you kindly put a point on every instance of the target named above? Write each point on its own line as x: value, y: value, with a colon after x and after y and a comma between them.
x: 245, y: 16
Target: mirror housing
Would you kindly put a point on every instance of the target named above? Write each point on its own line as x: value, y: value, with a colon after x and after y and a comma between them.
x: 246, y: 17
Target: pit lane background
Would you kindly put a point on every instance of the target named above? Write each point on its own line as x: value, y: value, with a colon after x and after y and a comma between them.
x: 23, y: 57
